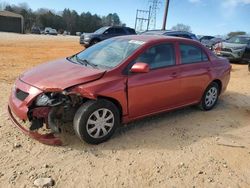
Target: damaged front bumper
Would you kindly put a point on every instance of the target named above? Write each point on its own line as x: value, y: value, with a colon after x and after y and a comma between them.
x: 49, y: 139
x: 18, y: 107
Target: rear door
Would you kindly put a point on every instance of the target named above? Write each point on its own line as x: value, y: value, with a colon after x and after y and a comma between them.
x: 120, y: 31
x: 158, y: 89
x: 195, y: 72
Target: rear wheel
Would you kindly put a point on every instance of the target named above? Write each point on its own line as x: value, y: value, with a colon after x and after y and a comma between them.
x: 210, y: 97
x: 96, y: 121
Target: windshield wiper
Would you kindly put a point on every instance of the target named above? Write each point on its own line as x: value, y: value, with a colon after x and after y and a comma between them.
x: 85, y: 62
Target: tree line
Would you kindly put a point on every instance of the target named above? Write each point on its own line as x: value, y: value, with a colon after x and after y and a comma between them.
x: 66, y: 20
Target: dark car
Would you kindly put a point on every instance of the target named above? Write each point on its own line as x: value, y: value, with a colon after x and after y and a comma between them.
x: 203, y: 38
x: 236, y: 48
x: 116, y: 81
x: 182, y: 34
x: 35, y: 30
x: 89, y: 39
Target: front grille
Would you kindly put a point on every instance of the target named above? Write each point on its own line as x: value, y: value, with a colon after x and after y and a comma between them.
x: 21, y: 95
x: 226, y: 50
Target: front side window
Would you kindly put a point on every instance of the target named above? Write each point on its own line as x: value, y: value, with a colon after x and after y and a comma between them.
x: 162, y: 55
x: 110, y: 31
x: 101, y: 30
x: 192, y: 54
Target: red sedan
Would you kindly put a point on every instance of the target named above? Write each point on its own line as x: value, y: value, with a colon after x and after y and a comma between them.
x: 116, y: 81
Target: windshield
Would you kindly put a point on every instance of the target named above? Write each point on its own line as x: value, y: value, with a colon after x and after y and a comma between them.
x: 101, y: 30
x: 239, y: 40
x: 109, y: 53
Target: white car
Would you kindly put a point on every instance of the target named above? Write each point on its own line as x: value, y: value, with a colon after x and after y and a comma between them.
x: 50, y: 31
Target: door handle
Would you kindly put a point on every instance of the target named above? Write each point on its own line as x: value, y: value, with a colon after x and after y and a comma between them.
x: 209, y: 69
x: 174, y: 74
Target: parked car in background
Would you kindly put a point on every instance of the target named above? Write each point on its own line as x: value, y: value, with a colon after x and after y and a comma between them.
x: 236, y: 48
x: 50, y: 31
x: 35, y: 30
x: 182, y: 34
x: 211, y: 43
x: 89, y: 39
x: 206, y: 38
x: 78, y: 33
x: 116, y: 81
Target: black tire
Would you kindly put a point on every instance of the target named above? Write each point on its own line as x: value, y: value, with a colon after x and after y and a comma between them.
x: 85, y: 112
x: 94, y: 41
x: 203, y: 104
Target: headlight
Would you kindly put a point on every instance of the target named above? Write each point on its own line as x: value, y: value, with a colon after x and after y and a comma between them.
x: 43, y: 100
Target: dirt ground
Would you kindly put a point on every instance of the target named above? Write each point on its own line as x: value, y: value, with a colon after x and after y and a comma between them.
x: 185, y: 148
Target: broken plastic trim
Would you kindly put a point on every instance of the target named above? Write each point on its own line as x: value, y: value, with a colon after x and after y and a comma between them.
x: 48, y: 139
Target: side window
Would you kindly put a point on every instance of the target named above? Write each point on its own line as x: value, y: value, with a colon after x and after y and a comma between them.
x: 192, y: 54
x: 109, y: 31
x: 162, y: 55
x: 131, y: 31
x: 120, y: 31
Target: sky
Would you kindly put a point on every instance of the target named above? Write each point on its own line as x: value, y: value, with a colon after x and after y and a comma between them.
x: 205, y: 17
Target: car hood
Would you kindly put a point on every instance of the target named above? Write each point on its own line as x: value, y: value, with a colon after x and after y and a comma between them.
x: 90, y: 35
x: 59, y: 75
x: 233, y: 45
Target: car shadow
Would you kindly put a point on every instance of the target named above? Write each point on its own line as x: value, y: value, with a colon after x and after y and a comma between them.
x: 173, y: 130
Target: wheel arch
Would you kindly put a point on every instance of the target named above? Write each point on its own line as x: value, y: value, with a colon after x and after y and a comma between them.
x: 115, y: 102
x: 217, y: 81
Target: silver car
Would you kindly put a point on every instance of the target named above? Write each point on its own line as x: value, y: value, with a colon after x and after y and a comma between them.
x: 234, y: 48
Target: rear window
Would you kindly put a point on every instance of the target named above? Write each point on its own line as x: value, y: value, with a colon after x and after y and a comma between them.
x: 120, y: 31
x: 192, y: 54
x: 131, y: 31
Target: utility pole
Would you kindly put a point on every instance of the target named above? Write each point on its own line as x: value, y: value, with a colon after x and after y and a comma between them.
x: 142, y: 16
x: 165, y: 15
x: 155, y: 6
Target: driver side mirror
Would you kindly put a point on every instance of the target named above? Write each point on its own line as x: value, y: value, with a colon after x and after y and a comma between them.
x: 140, y: 67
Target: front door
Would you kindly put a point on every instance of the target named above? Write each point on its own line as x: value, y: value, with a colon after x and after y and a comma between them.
x: 158, y: 89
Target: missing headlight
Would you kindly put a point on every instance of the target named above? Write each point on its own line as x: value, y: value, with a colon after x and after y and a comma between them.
x: 49, y: 99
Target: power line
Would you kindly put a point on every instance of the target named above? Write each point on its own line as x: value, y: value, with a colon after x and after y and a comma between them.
x: 155, y: 6
x: 142, y: 19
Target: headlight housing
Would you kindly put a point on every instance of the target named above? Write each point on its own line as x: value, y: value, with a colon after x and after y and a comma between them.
x: 43, y: 100
x: 51, y: 99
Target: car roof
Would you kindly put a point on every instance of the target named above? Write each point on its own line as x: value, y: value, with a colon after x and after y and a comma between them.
x: 167, y: 32
x: 157, y: 38
x: 246, y: 36
x: 117, y: 26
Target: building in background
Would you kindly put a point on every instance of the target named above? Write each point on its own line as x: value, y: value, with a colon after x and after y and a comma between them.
x: 11, y: 22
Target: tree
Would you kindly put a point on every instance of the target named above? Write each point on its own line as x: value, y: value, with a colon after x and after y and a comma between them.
x: 68, y: 20
x: 182, y: 27
x: 231, y: 34
x: 111, y: 19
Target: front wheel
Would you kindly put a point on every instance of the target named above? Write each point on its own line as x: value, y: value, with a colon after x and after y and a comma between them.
x: 210, y: 97
x: 96, y: 121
